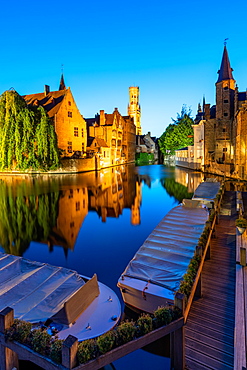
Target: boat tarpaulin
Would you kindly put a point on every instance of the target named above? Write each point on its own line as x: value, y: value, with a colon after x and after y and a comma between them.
x: 164, y: 257
x: 36, y: 291
x: 207, y: 190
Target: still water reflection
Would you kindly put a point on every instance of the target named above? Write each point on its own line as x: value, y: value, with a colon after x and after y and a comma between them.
x: 92, y: 222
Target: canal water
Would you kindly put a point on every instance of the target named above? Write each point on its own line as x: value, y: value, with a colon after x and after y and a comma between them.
x: 92, y: 223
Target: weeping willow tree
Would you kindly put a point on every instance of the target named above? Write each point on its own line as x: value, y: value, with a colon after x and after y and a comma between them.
x: 46, y: 141
x: 27, y: 137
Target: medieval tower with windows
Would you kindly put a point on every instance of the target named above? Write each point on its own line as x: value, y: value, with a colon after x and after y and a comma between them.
x: 134, y: 109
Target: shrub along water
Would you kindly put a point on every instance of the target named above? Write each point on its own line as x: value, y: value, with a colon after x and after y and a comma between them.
x: 42, y: 342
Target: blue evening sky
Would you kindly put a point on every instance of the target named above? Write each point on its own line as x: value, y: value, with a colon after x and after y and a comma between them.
x: 171, y: 49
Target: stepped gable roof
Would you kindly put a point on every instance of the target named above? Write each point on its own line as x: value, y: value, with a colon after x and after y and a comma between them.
x: 109, y: 119
x: 225, y: 71
x: 50, y: 102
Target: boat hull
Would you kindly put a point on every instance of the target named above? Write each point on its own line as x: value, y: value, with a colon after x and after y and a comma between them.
x: 146, y: 297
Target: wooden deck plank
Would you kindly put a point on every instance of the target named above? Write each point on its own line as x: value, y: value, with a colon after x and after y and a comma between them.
x: 220, y: 309
x: 206, y: 360
x: 211, y: 341
x: 219, y: 324
x: 220, y: 283
x: 203, y: 348
x: 212, y: 314
x: 221, y: 291
x: 211, y: 332
x: 213, y: 296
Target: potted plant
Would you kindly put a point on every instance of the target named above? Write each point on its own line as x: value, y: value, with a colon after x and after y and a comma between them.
x: 241, y: 224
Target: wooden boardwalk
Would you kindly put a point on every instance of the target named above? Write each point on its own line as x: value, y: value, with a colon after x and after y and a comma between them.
x: 209, y: 331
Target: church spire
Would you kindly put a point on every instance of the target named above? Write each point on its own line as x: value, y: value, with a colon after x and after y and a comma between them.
x: 225, y: 72
x: 62, y: 84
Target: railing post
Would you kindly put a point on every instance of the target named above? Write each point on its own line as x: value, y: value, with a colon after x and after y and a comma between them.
x: 8, y: 358
x: 179, y: 301
x: 198, y: 250
x: 207, y: 256
x: 242, y: 256
x: 214, y: 234
x: 177, y: 351
x: 198, y: 291
x: 69, y: 351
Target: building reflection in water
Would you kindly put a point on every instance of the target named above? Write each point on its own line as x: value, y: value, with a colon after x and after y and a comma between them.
x: 189, y: 179
x: 183, y: 184
x: 52, y: 209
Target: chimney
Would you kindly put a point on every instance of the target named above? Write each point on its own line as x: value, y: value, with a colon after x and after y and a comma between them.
x: 47, y: 89
x: 101, y: 117
x: 149, y: 133
x: 207, y: 111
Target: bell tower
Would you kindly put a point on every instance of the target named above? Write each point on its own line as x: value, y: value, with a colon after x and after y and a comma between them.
x: 223, y: 127
x: 134, y: 109
x: 225, y: 88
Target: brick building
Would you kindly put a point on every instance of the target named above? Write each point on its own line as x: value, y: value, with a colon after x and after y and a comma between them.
x: 112, y: 138
x: 225, y: 126
x: 69, y: 124
x: 109, y: 139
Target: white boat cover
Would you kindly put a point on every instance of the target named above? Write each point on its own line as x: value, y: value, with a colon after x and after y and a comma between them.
x: 207, y: 191
x: 164, y: 257
x: 36, y: 291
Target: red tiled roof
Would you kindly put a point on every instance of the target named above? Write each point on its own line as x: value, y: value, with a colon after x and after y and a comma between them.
x: 50, y: 102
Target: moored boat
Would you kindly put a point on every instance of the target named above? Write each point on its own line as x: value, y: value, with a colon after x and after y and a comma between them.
x: 206, y: 192
x: 57, y: 298
x: 155, y: 272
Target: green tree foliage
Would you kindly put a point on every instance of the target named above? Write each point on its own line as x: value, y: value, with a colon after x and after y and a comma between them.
x: 178, y: 134
x: 176, y: 190
x: 25, y: 218
x: 27, y: 137
x: 46, y: 141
